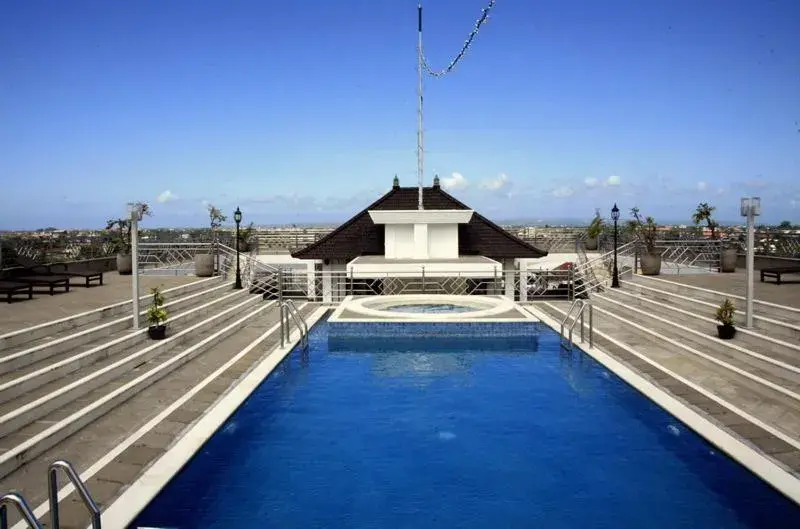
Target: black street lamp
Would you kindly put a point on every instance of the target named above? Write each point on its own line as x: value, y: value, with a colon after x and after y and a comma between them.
x: 237, y: 218
x: 615, y: 276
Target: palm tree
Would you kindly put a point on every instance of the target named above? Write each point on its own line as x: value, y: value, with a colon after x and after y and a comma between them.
x: 704, y: 212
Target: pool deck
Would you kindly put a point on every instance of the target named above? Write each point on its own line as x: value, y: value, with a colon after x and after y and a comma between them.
x: 787, y: 293
x: 44, y: 307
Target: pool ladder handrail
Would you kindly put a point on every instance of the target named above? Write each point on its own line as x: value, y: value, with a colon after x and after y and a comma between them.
x: 83, y: 492
x: 288, y: 308
x: 582, y: 305
x: 18, y: 501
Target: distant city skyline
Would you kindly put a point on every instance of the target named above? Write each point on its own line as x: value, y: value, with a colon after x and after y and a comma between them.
x: 302, y: 112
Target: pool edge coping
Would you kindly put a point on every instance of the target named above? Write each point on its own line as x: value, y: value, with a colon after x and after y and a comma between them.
x: 759, y: 464
x: 133, y: 500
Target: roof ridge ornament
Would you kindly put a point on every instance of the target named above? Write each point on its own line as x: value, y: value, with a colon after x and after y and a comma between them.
x: 396, y: 183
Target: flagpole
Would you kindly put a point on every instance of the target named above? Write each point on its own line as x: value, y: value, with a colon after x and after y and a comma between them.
x: 420, y: 138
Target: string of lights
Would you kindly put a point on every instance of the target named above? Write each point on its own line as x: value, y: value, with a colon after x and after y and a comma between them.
x: 483, y: 18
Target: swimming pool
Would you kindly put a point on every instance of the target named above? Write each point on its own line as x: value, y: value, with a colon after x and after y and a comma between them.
x: 478, y: 427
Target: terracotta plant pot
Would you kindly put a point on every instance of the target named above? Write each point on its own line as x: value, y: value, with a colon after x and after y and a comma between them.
x: 650, y: 264
x: 727, y: 260
x: 726, y: 332
x: 204, y: 265
x: 157, y: 332
x: 124, y: 264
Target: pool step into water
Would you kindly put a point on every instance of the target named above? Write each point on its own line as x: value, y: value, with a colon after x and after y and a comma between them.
x: 57, y: 329
x: 81, y: 417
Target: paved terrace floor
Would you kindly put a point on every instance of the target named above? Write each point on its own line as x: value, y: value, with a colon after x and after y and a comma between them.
x: 783, y: 294
x: 43, y: 307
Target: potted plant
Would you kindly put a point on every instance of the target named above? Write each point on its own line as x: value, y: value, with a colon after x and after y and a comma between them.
x: 157, y: 316
x: 728, y: 253
x: 119, y: 235
x: 204, y: 262
x: 246, y: 238
x: 725, y: 314
x: 645, y: 230
x: 593, y: 233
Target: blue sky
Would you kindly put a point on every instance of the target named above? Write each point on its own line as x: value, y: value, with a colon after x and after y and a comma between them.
x: 304, y: 110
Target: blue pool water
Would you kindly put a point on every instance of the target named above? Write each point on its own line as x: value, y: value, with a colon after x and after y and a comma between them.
x: 430, y: 308
x: 468, y: 430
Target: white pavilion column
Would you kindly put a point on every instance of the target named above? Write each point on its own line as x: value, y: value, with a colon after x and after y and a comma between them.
x: 326, y: 284
x: 508, y: 277
x: 523, y: 280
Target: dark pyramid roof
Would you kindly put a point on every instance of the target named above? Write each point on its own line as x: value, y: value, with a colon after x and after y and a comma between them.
x: 360, y: 236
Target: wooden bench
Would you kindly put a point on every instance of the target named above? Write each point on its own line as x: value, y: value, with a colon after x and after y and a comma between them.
x: 777, y: 271
x: 68, y: 269
x: 9, y: 288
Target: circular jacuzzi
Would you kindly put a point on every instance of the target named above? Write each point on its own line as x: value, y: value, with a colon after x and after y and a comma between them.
x: 429, y: 307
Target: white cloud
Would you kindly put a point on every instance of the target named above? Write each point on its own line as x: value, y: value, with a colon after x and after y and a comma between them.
x: 166, y: 196
x: 794, y: 203
x: 701, y: 186
x: 454, y: 181
x: 494, y: 184
x: 563, y: 192
x: 720, y: 191
x: 612, y: 180
x: 591, y: 181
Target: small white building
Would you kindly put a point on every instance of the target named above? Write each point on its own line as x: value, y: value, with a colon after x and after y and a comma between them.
x: 395, y: 243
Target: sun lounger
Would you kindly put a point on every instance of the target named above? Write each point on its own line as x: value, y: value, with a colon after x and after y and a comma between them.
x: 9, y: 288
x: 777, y: 271
x: 76, y: 270
x: 37, y: 279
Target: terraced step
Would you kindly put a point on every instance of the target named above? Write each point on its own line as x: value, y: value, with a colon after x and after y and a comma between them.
x: 752, y: 339
x: 111, y: 451
x: 725, y: 353
x: 53, y: 330
x: 765, y: 400
x: 785, y: 328
x: 56, y: 409
x: 19, y: 357
x: 725, y: 413
x: 765, y: 309
x: 26, y: 380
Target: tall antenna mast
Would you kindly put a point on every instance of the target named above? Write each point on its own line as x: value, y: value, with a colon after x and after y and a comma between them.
x: 420, y: 138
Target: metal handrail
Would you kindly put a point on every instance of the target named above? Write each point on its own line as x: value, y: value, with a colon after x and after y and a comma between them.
x: 288, y: 308
x: 582, y: 305
x: 18, y: 501
x: 52, y: 485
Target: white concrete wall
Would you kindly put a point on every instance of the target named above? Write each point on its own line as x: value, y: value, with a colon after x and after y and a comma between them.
x: 420, y: 241
x: 399, y: 241
x: 443, y: 241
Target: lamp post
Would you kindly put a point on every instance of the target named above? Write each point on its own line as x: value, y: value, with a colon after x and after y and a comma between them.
x: 615, y: 276
x: 750, y: 208
x: 237, y: 218
x: 135, y: 212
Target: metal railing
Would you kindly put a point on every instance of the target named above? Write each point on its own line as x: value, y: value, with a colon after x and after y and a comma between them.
x: 328, y: 286
x: 83, y: 492
x: 177, y: 258
x: 690, y: 255
x: 18, y: 501
x: 566, y: 338
x: 287, y: 309
x: 596, y: 273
